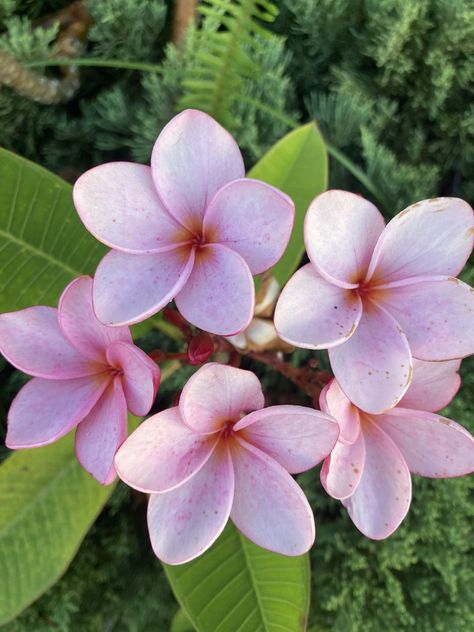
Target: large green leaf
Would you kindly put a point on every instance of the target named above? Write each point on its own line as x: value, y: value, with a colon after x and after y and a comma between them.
x: 298, y: 165
x: 48, y: 503
x: 43, y: 244
x: 240, y: 587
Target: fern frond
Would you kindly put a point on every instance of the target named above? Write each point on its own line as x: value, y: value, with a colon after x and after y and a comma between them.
x: 226, y: 45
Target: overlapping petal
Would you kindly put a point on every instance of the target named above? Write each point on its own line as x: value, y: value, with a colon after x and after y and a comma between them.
x: 297, y: 437
x: 162, y: 453
x: 119, y: 205
x: 437, y: 316
x: 99, y: 435
x: 342, y: 470
x: 45, y: 410
x: 140, y: 378
x: 315, y: 314
x: 432, y: 237
x: 433, y: 386
x: 269, y: 507
x: 130, y: 288
x: 192, y: 159
x: 184, y: 522
x: 431, y: 445
x: 252, y: 218
x: 218, y: 394
x: 341, y: 231
x: 219, y: 295
x: 79, y: 324
x: 32, y: 341
x: 382, y: 497
x: 334, y: 402
x: 373, y: 367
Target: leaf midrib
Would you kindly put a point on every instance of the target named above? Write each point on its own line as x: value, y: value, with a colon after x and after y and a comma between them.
x: 39, y: 253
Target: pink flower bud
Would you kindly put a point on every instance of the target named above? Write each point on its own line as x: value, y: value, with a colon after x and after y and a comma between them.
x: 200, y: 349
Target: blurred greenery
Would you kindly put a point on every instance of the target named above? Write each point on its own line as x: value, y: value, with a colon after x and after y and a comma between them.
x: 391, y: 86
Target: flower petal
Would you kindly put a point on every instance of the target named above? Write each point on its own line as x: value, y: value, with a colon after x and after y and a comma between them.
x: 216, y: 394
x: 342, y: 470
x: 334, y: 402
x: 269, y: 507
x: 79, y: 324
x: 431, y: 445
x: 141, y: 376
x: 297, y: 437
x: 436, y: 315
x: 32, y: 341
x: 382, y: 498
x: 185, y: 522
x: 374, y: 366
x: 45, y: 410
x: 100, y: 434
x: 219, y: 295
x: 434, y: 385
x: 131, y: 288
x: 252, y: 218
x: 192, y: 159
x: 119, y: 205
x: 341, y: 230
x: 428, y: 238
x: 314, y: 314
x: 162, y: 453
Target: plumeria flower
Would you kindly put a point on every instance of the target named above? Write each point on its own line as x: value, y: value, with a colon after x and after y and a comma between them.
x: 190, y: 228
x: 85, y: 375
x: 369, y: 469
x: 208, y: 459
x: 376, y: 296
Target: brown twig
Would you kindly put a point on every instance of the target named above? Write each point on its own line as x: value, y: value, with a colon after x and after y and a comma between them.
x: 184, y: 13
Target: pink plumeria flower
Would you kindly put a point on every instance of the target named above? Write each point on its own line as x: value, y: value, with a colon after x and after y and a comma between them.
x: 190, y: 228
x: 376, y: 296
x: 85, y: 375
x: 369, y: 469
x: 207, y: 459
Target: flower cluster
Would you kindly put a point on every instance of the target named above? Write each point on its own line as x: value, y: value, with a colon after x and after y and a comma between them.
x: 384, y: 300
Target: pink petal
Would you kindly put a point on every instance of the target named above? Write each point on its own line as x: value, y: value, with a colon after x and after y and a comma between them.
x: 217, y: 394
x: 334, y: 402
x: 431, y: 445
x: 297, y: 437
x: 45, y: 410
x: 131, y: 288
x: 252, y: 218
x: 192, y: 159
x: 374, y: 366
x: 185, y: 522
x: 314, y: 314
x: 141, y: 376
x: 436, y: 315
x: 162, y: 453
x: 119, y: 205
x: 100, y: 434
x: 382, y: 498
x: 434, y: 385
x: 341, y: 230
x: 79, y: 324
x: 269, y: 507
x: 219, y: 295
x: 428, y: 238
x: 342, y: 470
x: 33, y: 342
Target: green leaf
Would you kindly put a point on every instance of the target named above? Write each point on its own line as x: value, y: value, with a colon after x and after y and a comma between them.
x: 181, y: 623
x: 236, y: 585
x: 298, y: 165
x: 43, y: 243
x: 48, y: 504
